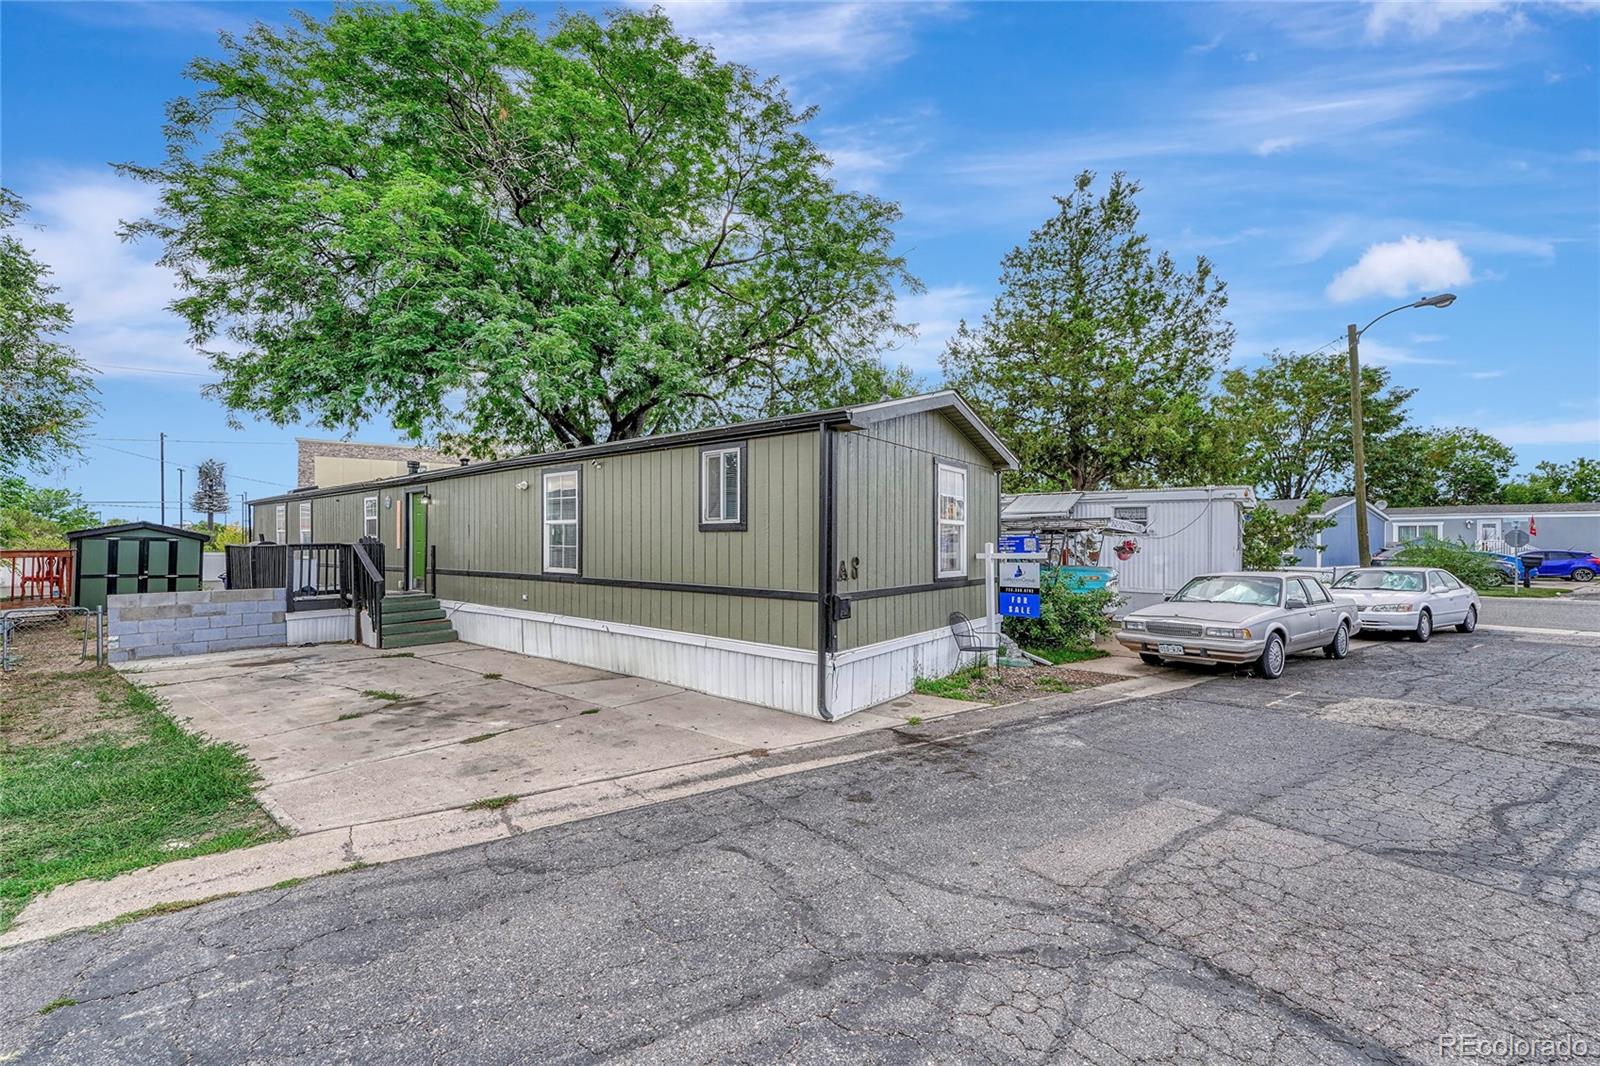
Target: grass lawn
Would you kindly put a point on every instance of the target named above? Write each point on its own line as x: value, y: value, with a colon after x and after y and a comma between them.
x: 1524, y: 594
x: 97, y: 779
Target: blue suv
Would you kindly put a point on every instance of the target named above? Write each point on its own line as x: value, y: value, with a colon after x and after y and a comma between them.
x: 1571, y: 565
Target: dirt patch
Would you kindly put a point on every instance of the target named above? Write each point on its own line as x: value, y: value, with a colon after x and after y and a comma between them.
x: 1010, y: 684
x: 54, y: 696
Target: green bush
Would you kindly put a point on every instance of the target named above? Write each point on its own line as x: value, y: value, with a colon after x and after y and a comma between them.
x: 1468, y: 565
x: 1067, y: 617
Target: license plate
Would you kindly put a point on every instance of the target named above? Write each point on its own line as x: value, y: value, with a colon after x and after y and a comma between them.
x: 1170, y: 649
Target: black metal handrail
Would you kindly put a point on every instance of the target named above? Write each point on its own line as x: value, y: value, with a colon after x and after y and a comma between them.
x: 367, y: 586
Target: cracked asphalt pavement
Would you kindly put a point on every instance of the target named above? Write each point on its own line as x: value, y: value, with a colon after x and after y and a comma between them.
x: 1344, y: 865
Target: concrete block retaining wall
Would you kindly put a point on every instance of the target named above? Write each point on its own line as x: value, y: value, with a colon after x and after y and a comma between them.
x: 150, y: 625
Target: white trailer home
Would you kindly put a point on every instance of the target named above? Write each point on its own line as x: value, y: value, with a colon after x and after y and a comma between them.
x: 1156, y: 539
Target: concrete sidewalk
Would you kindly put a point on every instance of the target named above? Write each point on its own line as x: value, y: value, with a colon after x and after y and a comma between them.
x: 401, y: 778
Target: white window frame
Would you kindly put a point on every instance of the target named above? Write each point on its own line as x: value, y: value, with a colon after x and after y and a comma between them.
x: 723, y: 520
x: 1437, y: 527
x: 280, y: 523
x: 940, y: 523
x: 546, y: 522
x: 369, y: 517
x: 305, y: 522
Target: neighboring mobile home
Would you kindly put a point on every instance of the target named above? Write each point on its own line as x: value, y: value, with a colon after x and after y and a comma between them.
x: 1336, y: 545
x: 1551, y: 526
x: 1155, y: 539
x: 809, y: 562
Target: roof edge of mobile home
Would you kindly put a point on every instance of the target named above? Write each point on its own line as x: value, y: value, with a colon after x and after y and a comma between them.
x: 855, y: 417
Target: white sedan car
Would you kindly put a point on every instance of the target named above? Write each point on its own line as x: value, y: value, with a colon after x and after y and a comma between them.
x: 1411, y: 601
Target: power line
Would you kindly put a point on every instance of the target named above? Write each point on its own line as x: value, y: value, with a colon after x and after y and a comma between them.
x: 186, y: 440
x: 180, y: 466
x: 149, y: 370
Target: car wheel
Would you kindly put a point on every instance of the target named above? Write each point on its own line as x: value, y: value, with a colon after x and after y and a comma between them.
x: 1270, y: 665
x: 1469, y: 623
x: 1583, y: 573
x: 1150, y: 660
x: 1339, y: 647
x: 1494, y: 579
x: 1424, y: 628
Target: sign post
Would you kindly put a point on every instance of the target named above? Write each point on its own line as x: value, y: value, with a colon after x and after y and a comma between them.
x: 1011, y: 579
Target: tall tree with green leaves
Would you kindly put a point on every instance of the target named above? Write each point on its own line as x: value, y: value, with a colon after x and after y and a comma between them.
x: 508, y: 239
x: 46, y: 391
x: 1551, y: 482
x: 210, y: 491
x: 1094, y: 360
x: 1437, y: 467
x: 1284, y: 426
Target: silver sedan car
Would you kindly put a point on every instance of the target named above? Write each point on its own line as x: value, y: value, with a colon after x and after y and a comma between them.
x: 1411, y: 601
x: 1247, y: 617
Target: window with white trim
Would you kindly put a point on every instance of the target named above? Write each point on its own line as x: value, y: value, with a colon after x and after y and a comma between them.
x: 305, y: 522
x: 1409, y: 532
x: 280, y: 523
x: 950, y: 514
x: 561, y: 521
x: 722, y: 486
x: 369, y: 517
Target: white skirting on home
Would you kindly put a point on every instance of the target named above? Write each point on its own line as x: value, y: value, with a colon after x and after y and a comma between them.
x: 333, y: 626
x: 766, y: 674
x: 862, y: 677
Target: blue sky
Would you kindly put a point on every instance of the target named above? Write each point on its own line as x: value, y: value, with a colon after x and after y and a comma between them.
x: 1332, y: 160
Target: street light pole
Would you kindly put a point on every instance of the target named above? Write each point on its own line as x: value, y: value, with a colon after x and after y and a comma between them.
x: 1358, y: 445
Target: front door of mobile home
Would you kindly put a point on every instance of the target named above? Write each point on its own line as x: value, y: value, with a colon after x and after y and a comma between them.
x: 416, y: 540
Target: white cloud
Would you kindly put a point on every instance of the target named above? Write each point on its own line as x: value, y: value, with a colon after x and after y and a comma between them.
x: 1578, y: 431
x: 1410, y: 266
x: 1424, y: 18
x: 1382, y: 354
x: 937, y: 313
x: 117, y: 293
x: 1486, y: 375
x: 797, y: 37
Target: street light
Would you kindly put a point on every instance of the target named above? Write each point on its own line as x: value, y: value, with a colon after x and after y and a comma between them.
x: 1358, y: 444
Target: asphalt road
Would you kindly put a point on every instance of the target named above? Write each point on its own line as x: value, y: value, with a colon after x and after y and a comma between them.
x: 1346, y: 865
x: 1569, y: 612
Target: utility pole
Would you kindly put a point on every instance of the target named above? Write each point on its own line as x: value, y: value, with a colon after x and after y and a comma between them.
x: 180, y: 497
x: 244, y: 515
x: 162, y: 461
x: 1358, y: 448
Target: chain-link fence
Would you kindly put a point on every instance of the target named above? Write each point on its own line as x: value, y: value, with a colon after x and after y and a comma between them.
x: 51, y: 639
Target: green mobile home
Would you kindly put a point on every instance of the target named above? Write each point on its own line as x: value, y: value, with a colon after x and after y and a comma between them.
x: 808, y: 562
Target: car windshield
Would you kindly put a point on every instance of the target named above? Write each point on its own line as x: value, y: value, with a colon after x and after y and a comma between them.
x: 1260, y: 591
x: 1384, y: 580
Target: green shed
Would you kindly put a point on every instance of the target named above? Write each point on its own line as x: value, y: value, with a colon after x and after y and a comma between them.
x: 134, y: 557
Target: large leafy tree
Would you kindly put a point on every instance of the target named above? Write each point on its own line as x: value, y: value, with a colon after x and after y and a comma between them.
x: 46, y: 391
x: 1284, y: 426
x: 1094, y: 359
x: 33, y: 516
x: 1435, y: 467
x: 1550, y: 482
x: 528, y: 240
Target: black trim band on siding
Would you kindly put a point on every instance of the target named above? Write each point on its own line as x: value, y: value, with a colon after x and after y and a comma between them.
x: 910, y: 590
x: 624, y: 583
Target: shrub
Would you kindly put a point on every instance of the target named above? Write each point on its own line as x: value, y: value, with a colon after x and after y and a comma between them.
x: 1067, y: 617
x: 1468, y: 565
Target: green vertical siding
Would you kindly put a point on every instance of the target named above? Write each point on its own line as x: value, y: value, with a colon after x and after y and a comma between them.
x: 886, y: 482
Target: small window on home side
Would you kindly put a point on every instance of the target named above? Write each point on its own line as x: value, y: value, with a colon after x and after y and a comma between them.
x: 950, y: 512
x: 561, y: 521
x: 722, y: 487
x: 369, y: 517
x: 280, y: 523
x: 305, y: 523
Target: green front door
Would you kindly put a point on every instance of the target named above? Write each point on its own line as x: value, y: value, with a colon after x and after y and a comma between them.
x: 417, y: 538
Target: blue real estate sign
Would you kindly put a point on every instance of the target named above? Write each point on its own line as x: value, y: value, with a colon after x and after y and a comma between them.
x: 1018, y: 545
x: 1019, y: 604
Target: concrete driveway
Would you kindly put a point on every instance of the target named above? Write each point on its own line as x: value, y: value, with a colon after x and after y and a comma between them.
x: 346, y: 736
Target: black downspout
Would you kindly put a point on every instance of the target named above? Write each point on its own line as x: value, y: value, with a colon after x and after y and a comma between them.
x: 825, y: 552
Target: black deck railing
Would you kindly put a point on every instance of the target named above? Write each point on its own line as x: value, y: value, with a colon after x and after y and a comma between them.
x: 312, y: 576
x: 367, y: 586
